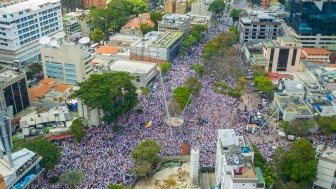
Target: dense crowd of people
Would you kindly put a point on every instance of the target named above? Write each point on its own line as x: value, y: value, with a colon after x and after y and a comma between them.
x: 104, y: 157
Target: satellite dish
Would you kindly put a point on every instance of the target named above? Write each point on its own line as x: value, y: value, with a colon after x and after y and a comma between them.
x: 59, y: 35
x: 53, y: 43
x: 84, y: 40
x: 299, y: 86
x: 44, y: 40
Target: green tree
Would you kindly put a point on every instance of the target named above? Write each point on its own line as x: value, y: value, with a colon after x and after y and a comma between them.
x: 145, y: 28
x: 97, y: 35
x: 72, y: 178
x: 299, y: 163
x: 77, y: 129
x: 181, y: 96
x: 116, y: 186
x: 51, y: 154
x: 327, y: 124
x: 165, y: 67
x: 114, y: 93
x: 297, y: 127
x: 156, y: 17
x: 198, y: 68
x: 217, y: 8
x: 144, y: 155
x: 193, y: 85
x: 259, y: 71
x: 264, y: 84
x: 138, y: 6
x: 235, y: 14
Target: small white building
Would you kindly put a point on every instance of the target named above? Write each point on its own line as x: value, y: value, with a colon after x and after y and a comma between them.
x: 326, y: 167
x: 143, y: 72
x: 234, y: 163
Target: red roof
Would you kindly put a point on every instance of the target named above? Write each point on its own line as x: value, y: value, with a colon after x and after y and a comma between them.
x: 315, y: 51
x: 275, y: 76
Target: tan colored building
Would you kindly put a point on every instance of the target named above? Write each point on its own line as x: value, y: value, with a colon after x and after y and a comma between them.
x: 175, y: 23
x: 315, y: 54
x: 169, y: 6
x: 181, y: 6
x: 282, y: 54
x: 97, y: 3
x: 133, y: 26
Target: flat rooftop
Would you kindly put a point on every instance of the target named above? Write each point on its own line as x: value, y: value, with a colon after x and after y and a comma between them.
x: 293, y: 103
x: 29, y: 5
x: 8, y: 74
x: 158, y: 39
x: 133, y: 67
x: 327, y: 152
x: 174, y: 19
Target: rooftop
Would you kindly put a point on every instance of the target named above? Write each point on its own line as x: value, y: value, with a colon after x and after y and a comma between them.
x: 158, y: 39
x: 315, y: 51
x: 293, y: 103
x: 327, y: 152
x: 174, y: 19
x: 8, y: 74
x: 294, y: 85
x: 259, y: 16
x: 141, y: 19
x: 29, y: 5
x: 44, y: 117
x: 133, y: 67
x: 45, y: 86
x: 107, y: 50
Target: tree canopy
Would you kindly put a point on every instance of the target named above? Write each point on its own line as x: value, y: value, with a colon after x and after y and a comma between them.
x: 193, y: 85
x: 145, y: 28
x: 181, y: 96
x: 217, y: 8
x: 264, y: 84
x: 165, y: 67
x: 327, y: 124
x: 116, y: 14
x: 195, y: 35
x: 144, y: 155
x: 235, y: 14
x: 156, y: 17
x: 114, y: 93
x: 297, y: 127
x: 299, y: 163
x: 97, y: 35
x: 198, y: 68
x: 77, y: 129
x: 51, y: 154
x: 116, y: 186
x: 72, y: 178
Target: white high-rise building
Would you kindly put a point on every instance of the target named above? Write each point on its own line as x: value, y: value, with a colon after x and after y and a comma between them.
x: 23, y: 23
x: 234, y: 163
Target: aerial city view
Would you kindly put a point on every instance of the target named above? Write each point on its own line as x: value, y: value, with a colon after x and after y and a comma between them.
x: 168, y: 94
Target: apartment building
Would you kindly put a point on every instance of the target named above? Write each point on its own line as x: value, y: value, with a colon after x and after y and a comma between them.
x: 311, y: 22
x: 282, y: 54
x: 13, y: 89
x: 234, y: 162
x: 133, y: 26
x: 74, y: 26
x: 22, y: 24
x: 175, y: 23
x: 67, y: 62
x: 71, y: 5
x: 315, y: 54
x: 200, y: 8
x: 258, y: 25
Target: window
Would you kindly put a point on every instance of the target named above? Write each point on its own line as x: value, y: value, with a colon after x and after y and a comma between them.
x: 137, y: 78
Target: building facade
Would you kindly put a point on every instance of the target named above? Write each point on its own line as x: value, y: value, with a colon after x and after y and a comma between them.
x: 13, y: 88
x: 175, y: 23
x: 74, y: 26
x: 315, y: 54
x: 312, y: 22
x: 23, y: 24
x: 133, y: 26
x: 234, y: 163
x: 282, y: 54
x: 200, y: 8
x: 258, y: 25
x: 66, y: 62
x: 71, y: 5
